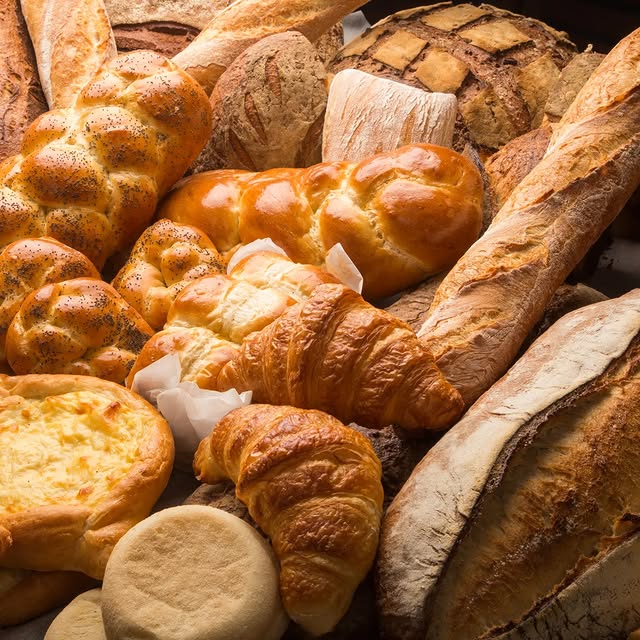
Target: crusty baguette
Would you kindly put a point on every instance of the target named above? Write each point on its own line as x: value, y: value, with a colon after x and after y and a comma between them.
x: 524, y: 511
x: 21, y: 100
x: 72, y: 40
x: 246, y: 21
x: 498, y: 290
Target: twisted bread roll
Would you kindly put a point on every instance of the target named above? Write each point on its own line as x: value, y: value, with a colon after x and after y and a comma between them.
x: 162, y: 262
x: 80, y: 326
x: 27, y: 265
x: 400, y: 216
x: 490, y: 300
x: 339, y: 354
x: 90, y: 176
x: 314, y: 487
x: 211, y: 317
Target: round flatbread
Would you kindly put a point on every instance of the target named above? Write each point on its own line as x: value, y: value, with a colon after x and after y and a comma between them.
x: 81, y: 619
x: 192, y: 573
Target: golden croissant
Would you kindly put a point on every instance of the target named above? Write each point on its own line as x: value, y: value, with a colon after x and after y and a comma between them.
x: 337, y: 353
x: 314, y: 487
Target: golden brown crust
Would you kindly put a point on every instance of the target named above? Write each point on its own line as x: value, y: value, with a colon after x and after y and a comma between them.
x: 26, y: 265
x: 22, y: 99
x: 49, y: 526
x: 211, y: 317
x: 400, y: 216
x: 36, y: 592
x: 336, y: 353
x: 162, y: 262
x: 81, y: 326
x: 498, y: 290
x: 313, y: 486
x: 91, y: 176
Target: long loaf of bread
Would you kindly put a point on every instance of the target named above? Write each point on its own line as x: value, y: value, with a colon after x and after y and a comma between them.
x: 244, y: 22
x: 498, y: 290
x: 91, y: 175
x: 72, y: 41
x: 22, y: 99
x: 400, y: 215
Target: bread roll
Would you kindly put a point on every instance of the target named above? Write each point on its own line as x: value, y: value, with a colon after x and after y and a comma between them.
x: 520, y: 522
x: 83, y: 460
x: 22, y: 99
x: 268, y: 108
x: 192, y: 573
x: 498, y: 290
x: 164, y: 259
x: 27, y: 265
x: 25, y: 595
x: 81, y: 326
x: 81, y: 619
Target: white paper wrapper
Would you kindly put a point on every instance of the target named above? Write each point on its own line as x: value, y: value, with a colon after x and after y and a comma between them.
x: 340, y: 265
x: 191, y: 412
x: 264, y: 244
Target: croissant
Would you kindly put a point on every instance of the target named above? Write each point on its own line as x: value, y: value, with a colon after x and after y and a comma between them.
x: 400, y: 215
x: 162, y: 262
x: 337, y: 353
x: 81, y: 326
x: 210, y: 318
x: 26, y: 265
x: 91, y: 175
x: 314, y: 487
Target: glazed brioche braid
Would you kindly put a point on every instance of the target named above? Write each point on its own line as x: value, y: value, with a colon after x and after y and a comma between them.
x: 337, y: 353
x: 212, y: 315
x: 400, y: 215
x: 314, y: 487
x: 91, y: 175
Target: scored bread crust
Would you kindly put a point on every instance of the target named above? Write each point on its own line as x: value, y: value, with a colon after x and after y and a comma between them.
x: 47, y: 532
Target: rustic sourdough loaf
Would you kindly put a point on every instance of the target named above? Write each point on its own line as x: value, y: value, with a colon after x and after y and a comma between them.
x: 527, y: 509
x: 500, y: 65
x: 268, y: 108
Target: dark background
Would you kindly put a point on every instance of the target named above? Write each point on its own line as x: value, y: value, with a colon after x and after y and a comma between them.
x: 595, y: 22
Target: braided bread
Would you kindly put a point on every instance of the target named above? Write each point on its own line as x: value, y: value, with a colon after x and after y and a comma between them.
x: 91, y: 175
x: 81, y: 326
x: 314, y: 487
x: 400, y: 216
x: 211, y: 317
x: 27, y: 265
x: 162, y: 262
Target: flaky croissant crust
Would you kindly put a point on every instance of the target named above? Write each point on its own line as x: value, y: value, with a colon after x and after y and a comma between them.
x: 314, y: 487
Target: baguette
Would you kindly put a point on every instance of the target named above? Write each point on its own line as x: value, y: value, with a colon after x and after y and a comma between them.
x: 72, y: 41
x: 400, y: 215
x: 22, y: 98
x: 244, y: 22
x: 498, y: 290
x: 521, y: 521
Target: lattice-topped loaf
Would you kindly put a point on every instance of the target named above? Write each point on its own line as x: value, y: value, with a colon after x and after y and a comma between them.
x: 499, y: 64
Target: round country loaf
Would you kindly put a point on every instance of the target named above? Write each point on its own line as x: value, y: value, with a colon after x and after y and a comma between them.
x: 500, y: 65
